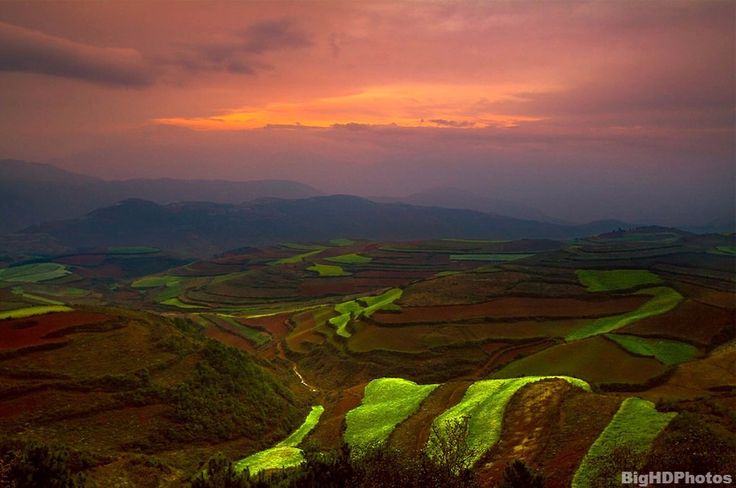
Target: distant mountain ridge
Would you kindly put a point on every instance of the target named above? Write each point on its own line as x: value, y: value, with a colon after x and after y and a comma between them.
x: 31, y: 193
x: 204, y: 228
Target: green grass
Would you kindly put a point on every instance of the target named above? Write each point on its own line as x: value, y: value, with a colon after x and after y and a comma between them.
x: 33, y: 273
x: 619, y: 279
x: 328, y: 270
x: 728, y: 250
x: 366, y: 306
x: 386, y: 403
x: 132, y: 250
x: 666, y: 351
x: 175, y: 302
x: 299, y: 434
x: 36, y: 298
x: 298, y: 258
x: 156, y: 281
x: 21, y: 313
x: 253, y: 335
x: 635, y: 426
x: 489, y: 257
x: 342, y: 242
x: 350, y: 259
x: 663, y: 300
x: 285, y: 454
x: 484, y: 404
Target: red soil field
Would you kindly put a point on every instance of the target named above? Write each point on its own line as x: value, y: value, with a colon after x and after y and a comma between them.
x: 104, y: 271
x: 513, y: 307
x: 276, y: 325
x: 32, y: 331
x: 82, y: 260
x: 229, y: 338
x: 582, y: 418
x: 330, y: 427
x: 679, y: 323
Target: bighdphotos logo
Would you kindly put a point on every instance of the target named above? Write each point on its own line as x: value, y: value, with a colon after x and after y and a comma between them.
x: 673, y: 477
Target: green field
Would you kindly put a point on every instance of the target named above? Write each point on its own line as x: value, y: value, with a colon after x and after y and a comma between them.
x: 175, y: 302
x: 298, y: 258
x: 663, y: 300
x: 285, y: 454
x: 620, y: 279
x: 484, y: 405
x: 21, y: 313
x: 386, y: 403
x: 727, y: 250
x: 33, y: 273
x: 635, y: 426
x: 666, y: 351
x: 132, y: 250
x: 499, y: 257
x: 368, y: 305
x: 328, y: 270
x: 156, y: 281
x: 342, y: 242
x: 350, y: 259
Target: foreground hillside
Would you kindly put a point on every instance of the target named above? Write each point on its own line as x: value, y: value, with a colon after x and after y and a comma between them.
x: 466, y: 361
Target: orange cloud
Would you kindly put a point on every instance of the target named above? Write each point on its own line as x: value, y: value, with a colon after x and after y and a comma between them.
x: 423, y: 105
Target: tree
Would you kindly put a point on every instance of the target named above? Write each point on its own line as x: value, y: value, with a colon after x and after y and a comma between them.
x: 518, y: 475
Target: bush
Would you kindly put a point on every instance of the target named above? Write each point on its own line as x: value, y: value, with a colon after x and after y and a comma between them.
x: 518, y: 475
x: 34, y: 465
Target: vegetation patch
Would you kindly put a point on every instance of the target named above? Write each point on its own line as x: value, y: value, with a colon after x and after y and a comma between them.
x: 328, y: 270
x: 350, y: 259
x: 386, y: 403
x: 298, y: 258
x: 483, y: 406
x: 31, y: 311
x: 499, y: 257
x: 663, y: 300
x: 285, y: 454
x: 619, y: 279
x: 364, y: 306
x: 634, y: 427
x: 156, y: 282
x: 132, y: 250
x: 666, y: 351
x: 33, y: 273
x: 342, y: 242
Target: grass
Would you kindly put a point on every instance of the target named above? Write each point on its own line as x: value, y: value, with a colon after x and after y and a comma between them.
x: 386, y: 403
x: 253, y: 335
x: 298, y: 258
x: 635, y: 426
x: 500, y: 257
x: 33, y: 273
x: 328, y: 270
x: 36, y: 298
x: 175, y: 302
x: 342, y: 242
x: 619, y: 279
x: 666, y: 351
x: 728, y: 250
x: 299, y: 434
x: 285, y: 454
x: 156, y: 281
x: 350, y: 259
x: 132, y: 250
x: 21, y: 313
x: 366, y: 306
x: 663, y: 300
x: 484, y: 404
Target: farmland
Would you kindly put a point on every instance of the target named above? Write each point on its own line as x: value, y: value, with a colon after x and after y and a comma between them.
x: 278, y: 355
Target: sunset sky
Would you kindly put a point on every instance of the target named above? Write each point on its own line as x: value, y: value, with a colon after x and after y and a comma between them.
x: 584, y: 109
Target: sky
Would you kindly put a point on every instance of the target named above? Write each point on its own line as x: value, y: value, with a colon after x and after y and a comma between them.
x: 585, y: 110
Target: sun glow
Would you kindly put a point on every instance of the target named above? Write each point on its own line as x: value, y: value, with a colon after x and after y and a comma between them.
x: 445, y: 106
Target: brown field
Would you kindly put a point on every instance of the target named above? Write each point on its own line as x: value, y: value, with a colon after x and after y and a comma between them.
x: 513, y: 307
x: 712, y: 323
x: 589, y: 359
x: 82, y: 260
x: 44, y: 329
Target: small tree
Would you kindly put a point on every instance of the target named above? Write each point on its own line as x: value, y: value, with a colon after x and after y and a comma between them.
x: 518, y: 475
x: 448, y: 445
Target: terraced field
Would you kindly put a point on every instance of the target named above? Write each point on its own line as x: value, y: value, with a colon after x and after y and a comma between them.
x: 550, y: 350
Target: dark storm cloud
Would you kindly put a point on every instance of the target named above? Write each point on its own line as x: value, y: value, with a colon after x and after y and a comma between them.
x: 30, y: 51
x: 236, y: 55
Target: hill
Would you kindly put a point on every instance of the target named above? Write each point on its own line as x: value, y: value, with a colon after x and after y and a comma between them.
x: 31, y: 193
x: 203, y: 228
